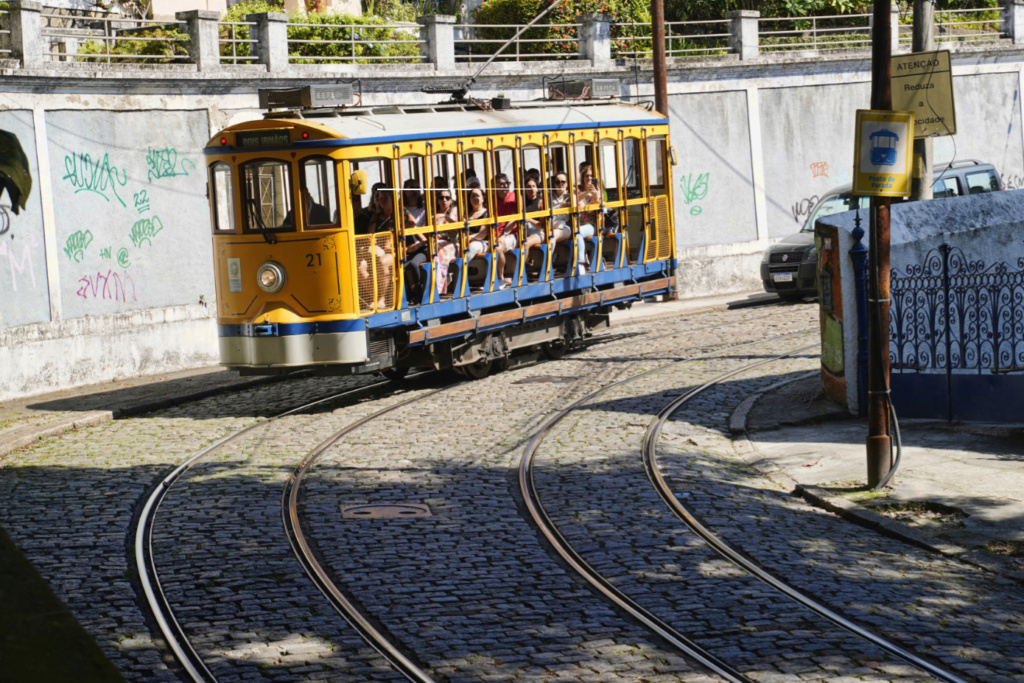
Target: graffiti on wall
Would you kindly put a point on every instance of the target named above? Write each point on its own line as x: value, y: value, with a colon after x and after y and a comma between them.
x: 693, y: 189
x: 107, y: 173
x: 97, y: 175
x: 164, y: 163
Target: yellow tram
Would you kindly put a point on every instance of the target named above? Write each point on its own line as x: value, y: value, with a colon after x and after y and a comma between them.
x: 354, y: 239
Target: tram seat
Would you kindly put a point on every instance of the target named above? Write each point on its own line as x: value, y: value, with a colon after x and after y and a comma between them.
x: 610, y: 249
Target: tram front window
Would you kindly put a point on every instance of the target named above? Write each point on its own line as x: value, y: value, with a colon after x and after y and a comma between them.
x: 223, y: 207
x: 268, y: 195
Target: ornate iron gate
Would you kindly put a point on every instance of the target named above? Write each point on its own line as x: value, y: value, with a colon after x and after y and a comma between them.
x: 956, y: 338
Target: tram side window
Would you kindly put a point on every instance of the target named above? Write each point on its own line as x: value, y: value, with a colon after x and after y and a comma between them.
x: 634, y: 171
x: 442, y: 184
x: 530, y: 165
x: 221, y: 185
x: 377, y: 171
x: 656, y: 166
x: 412, y: 178
x: 609, y: 171
x: 267, y: 186
x: 558, y: 162
x: 506, y: 192
x: 320, y: 192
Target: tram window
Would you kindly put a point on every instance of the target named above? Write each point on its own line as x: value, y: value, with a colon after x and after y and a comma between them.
x: 656, y: 166
x: 609, y: 171
x: 530, y: 161
x: 558, y: 162
x: 320, y: 192
x: 377, y: 171
x: 223, y: 206
x: 473, y: 166
x: 442, y: 183
x: 584, y: 155
x: 504, y: 161
x: 268, y: 195
x: 634, y: 174
x: 410, y: 177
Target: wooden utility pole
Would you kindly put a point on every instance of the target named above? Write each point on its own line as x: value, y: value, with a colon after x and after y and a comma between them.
x: 879, y: 445
x: 658, y: 38
x: 924, y: 41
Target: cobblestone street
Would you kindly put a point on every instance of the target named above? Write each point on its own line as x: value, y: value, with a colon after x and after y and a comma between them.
x: 469, y: 589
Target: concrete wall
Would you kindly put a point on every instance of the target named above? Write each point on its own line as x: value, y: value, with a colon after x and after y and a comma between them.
x: 107, y: 271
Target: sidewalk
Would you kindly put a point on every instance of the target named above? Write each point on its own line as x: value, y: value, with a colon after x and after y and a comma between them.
x: 958, y: 490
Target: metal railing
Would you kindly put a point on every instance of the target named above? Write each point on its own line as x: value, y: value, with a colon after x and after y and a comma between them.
x: 5, y: 32
x: 237, y: 44
x: 960, y: 25
x: 108, y: 38
x: 480, y: 41
x: 381, y: 43
x: 682, y: 38
x: 833, y: 32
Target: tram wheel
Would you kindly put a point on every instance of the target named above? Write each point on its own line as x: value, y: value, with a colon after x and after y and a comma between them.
x: 396, y: 374
x: 477, y: 370
x: 555, y: 349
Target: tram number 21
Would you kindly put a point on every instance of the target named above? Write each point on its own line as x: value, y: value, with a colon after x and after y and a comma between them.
x: 313, y: 260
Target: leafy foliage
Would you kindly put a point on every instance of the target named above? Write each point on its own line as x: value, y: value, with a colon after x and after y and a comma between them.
x: 334, y: 35
x: 162, y: 45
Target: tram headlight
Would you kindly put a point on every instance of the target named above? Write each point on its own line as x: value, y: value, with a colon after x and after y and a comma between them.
x: 270, y: 277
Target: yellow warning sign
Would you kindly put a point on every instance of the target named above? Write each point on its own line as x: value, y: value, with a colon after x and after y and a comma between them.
x: 923, y: 83
x: 882, y: 153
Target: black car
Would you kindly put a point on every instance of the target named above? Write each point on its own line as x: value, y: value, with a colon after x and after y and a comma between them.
x: 789, y: 267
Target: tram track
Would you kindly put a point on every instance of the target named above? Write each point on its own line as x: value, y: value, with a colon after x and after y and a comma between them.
x: 605, y: 587
x: 160, y: 608
x: 145, y: 564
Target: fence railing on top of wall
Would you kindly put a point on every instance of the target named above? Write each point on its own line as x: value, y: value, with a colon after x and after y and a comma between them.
x: 38, y: 36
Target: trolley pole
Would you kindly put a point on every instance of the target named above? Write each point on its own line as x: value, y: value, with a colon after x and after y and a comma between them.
x: 924, y: 41
x: 658, y: 38
x: 879, y: 447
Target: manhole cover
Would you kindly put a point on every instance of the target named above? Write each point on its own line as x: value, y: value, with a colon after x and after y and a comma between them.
x: 545, y: 379
x: 385, y: 511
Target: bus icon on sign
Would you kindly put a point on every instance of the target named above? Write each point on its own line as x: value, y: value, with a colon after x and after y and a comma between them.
x: 883, y: 147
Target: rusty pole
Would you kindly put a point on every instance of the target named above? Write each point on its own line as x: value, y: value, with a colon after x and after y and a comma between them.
x: 924, y: 41
x: 879, y: 446
x: 658, y: 38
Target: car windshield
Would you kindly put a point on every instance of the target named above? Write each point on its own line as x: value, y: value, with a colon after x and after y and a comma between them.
x: 828, y: 207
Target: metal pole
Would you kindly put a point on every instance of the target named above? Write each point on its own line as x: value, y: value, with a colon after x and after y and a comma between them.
x: 660, y: 83
x: 879, y: 445
x: 924, y: 41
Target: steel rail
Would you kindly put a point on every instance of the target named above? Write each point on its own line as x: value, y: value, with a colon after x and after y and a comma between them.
x: 145, y: 563
x: 726, y: 551
x: 538, y: 513
x: 300, y: 547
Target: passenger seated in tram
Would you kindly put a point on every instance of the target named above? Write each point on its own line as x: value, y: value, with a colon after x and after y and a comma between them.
x: 379, y: 218
x: 445, y: 212
x: 505, y: 200
x: 416, y: 246
x: 588, y: 196
x: 533, y: 200
x: 560, y: 229
x: 477, y: 209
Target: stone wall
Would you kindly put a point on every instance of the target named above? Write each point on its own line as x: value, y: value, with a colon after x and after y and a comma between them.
x: 116, y: 229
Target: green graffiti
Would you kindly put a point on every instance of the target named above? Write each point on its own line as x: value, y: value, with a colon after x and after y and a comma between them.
x: 88, y: 175
x: 76, y: 243
x: 164, y: 163
x: 122, y: 258
x: 145, y: 230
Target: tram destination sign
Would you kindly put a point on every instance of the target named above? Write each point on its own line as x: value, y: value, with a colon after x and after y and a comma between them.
x: 263, y: 138
x: 923, y: 83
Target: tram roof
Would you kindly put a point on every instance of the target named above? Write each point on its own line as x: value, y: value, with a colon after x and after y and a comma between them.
x: 386, y: 124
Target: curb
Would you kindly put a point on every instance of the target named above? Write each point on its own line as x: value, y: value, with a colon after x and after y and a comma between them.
x: 99, y: 416
x: 852, y: 512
